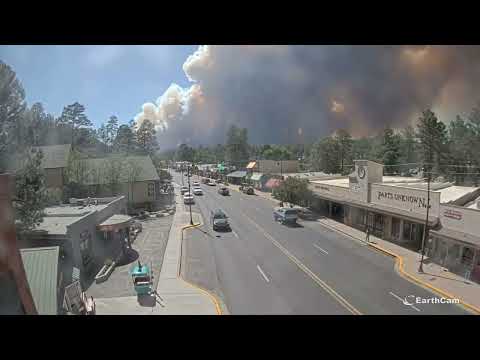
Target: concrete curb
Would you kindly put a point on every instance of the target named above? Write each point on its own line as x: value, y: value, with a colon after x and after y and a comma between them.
x: 212, y: 297
x: 407, y: 276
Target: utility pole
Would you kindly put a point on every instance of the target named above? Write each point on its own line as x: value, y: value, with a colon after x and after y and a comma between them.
x: 425, y: 232
x: 189, y: 192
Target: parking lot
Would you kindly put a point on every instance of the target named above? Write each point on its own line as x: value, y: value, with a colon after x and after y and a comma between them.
x: 148, y: 247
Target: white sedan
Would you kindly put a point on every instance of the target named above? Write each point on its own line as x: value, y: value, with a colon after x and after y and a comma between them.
x: 197, y: 191
x: 188, y: 199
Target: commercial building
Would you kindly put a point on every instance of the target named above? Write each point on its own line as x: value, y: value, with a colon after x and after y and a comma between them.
x: 237, y: 177
x: 87, y: 232
x: 455, y: 244
x: 54, y: 163
x: 393, y: 207
x: 134, y: 177
x: 273, y: 166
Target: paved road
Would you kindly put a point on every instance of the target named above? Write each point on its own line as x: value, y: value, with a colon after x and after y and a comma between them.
x: 267, y: 268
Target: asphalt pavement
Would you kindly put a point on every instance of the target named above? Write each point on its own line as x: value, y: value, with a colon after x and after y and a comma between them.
x: 264, y: 267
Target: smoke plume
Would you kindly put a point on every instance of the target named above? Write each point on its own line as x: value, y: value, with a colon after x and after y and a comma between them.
x: 293, y: 94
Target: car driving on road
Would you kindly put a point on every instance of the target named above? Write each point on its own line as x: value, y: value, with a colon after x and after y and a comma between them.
x: 285, y: 215
x: 211, y: 182
x: 197, y: 191
x: 223, y: 191
x: 219, y: 220
x: 188, y: 199
x: 183, y: 190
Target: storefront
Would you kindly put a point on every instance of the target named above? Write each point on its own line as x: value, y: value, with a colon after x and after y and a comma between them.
x: 456, y: 245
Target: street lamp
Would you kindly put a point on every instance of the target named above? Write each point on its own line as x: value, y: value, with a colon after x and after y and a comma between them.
x: 420, y: 268
x: 189, y: 192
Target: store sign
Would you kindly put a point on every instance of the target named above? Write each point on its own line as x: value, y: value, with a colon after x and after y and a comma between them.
x: 407, y: 199
x: 452, y: 214
x: 416, y: 200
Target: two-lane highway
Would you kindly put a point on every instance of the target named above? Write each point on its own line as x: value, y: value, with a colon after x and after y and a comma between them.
x: 268, y: 268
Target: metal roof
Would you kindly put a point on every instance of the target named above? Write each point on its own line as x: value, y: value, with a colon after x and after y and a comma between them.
x: 256, y: 176
x: 457, y: 235
x: 98, y: 169
x: 237, y: 174
x: 41, y: 267
x: 55, y: 156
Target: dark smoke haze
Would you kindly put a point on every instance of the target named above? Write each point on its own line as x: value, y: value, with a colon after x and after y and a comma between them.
x: 292, y: 94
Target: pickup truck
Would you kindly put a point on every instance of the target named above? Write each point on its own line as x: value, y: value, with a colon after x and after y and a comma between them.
x: 285, y: 215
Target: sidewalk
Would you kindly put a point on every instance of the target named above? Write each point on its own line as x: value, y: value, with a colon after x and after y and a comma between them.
x: 174, y: 296
x: 434, y: 277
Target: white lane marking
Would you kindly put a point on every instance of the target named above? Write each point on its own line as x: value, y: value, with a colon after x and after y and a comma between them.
x: 235, y: 234
x: 263, y: 274
x: 403, y: 301
x: 319, y: 248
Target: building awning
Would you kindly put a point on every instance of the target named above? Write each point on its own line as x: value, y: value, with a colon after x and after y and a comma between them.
x: 115, y: 222
x: 458, y: 236
x: 273, y: 183
x: 256, y: 176
x: 237, y: 174
x: 407, y: 215
x: 251, y: 165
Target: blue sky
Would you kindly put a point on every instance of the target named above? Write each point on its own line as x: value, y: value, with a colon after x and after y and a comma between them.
x: 107, y: 80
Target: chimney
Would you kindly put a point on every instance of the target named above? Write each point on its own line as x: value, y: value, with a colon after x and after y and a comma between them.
x: 10, y: 258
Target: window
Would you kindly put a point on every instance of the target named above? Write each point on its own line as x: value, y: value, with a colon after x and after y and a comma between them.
x: 395, y: 228
x: 151, y: 189
x: 85, y: 247
x: 467, y: 256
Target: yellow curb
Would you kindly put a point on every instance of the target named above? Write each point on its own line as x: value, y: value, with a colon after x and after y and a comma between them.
x: 399, y: 263
x: 212, y: 297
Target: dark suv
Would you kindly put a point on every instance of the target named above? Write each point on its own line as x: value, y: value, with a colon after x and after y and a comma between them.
x: 223, y: 191
x: 219, y: 220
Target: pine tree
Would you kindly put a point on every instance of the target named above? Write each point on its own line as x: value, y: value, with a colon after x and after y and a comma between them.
x: 30, y: 192
x: 432, y: 135
x: 146, y: 137
x: 390, y: 150
x: 74, y: 118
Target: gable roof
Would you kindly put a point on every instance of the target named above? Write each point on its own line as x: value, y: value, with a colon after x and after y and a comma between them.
x: 98, y: 169
x: 55, y: 156
x: 41, y: 267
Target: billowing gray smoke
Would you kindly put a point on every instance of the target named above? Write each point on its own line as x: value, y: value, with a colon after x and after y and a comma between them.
x: 291, y: 94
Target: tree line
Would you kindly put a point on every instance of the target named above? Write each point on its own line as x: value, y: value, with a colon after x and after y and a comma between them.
x: 447, y: 151
x: 23, y: 128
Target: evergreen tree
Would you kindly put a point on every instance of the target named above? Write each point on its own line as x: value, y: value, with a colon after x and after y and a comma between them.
x: 30, y: 192
x: 146, y: 137
x: 390, y: 151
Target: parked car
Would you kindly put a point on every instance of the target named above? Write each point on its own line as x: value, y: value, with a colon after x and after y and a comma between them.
x: 219, y: 220
x: 285, y: 215
x: 197, y: 191
x: 183, y: 190
x: 196, y: 184
x: 223, y: 191
x: 188, y: 199
x: 247, y: 189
